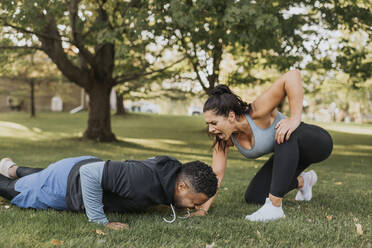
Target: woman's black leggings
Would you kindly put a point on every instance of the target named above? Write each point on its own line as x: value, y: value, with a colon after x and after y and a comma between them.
x: 7, y: 184
x: 308, y: 144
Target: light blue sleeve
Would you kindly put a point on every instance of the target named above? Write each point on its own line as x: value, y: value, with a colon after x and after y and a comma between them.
x: 91, y: 177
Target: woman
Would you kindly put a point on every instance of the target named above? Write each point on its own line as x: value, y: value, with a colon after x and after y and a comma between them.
x: 257, y: 129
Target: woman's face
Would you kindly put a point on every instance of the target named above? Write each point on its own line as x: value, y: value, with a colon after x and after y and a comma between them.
x: 219, y: 125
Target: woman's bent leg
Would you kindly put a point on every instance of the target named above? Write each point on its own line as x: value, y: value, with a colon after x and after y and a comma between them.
x: 259, y: 187
x: 308, y: 144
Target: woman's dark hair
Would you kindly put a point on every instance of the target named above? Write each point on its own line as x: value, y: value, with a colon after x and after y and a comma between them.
x: 200, y: 176
x: 221, y: 101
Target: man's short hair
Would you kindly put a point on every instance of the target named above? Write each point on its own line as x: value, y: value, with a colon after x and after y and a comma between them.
x: 200, y: 176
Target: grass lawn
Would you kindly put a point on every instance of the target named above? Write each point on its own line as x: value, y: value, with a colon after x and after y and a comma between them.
x: 343, y: 192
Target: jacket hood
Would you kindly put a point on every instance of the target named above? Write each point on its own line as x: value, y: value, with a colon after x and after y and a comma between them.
x: 166, y: 169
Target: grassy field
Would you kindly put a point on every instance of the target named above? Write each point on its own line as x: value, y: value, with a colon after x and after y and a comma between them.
x: 342, y: 197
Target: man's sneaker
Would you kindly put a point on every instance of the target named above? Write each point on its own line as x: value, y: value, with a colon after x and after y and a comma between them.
x: 268, y: 212
x: 5, y: 164
x: 306, y: 192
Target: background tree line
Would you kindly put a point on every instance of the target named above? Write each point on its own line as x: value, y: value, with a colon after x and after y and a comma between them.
x: 181, y: 44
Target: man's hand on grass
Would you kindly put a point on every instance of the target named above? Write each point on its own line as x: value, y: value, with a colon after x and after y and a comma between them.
x: 117, y: 225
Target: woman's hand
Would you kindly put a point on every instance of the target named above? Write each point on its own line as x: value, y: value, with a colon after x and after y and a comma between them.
x: 199, y: 212
x: 284, y: 129
x: 117, y: 226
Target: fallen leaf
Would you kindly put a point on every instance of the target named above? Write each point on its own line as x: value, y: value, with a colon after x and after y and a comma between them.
x: 359, y: 229
x: 338, y: 183
x: 100, y: 232
x: 56, y: 242
x: 329, y: 217
x: 210, y: 245
x: 117, y: 226
x: 6, y: 206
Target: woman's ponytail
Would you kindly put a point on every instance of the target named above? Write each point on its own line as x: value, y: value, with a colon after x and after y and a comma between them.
x: 220, y: 89
x: 222, y: 100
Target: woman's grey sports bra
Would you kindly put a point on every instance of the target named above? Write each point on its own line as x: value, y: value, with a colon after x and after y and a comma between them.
x: 264, y: 139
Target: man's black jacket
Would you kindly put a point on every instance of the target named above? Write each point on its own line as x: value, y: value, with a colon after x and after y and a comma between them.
x: 131, y: 185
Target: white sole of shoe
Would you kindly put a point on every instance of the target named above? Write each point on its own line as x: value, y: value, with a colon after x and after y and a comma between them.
x: 260, y: 220
x: 313, y: 180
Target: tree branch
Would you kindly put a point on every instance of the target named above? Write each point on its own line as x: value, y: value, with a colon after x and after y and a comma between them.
x: 194, y: 65
x: 53, y: 48
x: 21, y: 47
x: 105, y: 52
x: 24, y: 30
x: 122, y: 79
x: 77, y: 36
x: 217, y: 56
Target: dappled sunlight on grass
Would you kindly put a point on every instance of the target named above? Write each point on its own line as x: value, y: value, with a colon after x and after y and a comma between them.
x: 352, y: 150
x: 349, y: 153
x: 365, y: 129
x: 11, y: 129
x: 361, y: 147
x: 155, y: 143
x: 15, y: 130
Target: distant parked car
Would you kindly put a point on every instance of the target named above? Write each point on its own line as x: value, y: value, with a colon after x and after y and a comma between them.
x: 195, y: 110
x: 145, y: 107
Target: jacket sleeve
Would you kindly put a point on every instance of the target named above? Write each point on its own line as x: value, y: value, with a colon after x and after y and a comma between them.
x: 90, y: 177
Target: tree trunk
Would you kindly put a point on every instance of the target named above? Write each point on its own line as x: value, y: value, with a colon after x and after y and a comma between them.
x: 32, y: 98
x: 99, y: 121
x: 119, y: 104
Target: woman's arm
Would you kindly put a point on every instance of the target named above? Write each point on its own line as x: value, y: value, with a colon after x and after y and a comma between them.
x: 289, y: 84
x: 219, y: 162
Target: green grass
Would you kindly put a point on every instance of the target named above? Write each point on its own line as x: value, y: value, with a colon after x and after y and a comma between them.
x: 344, y: 189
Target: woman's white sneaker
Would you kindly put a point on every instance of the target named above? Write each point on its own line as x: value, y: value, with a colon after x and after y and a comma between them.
x: 5, y: 164
x: 268, y: 212
x: 306, y: 192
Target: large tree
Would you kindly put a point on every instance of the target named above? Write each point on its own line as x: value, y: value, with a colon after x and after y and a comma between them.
x: 95, y: 44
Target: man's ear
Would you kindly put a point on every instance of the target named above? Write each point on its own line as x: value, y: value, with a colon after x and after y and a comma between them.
x: 231, y: 116
x: 181, y: 186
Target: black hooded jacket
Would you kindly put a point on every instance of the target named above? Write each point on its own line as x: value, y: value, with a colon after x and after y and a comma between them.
x: 132, y: 185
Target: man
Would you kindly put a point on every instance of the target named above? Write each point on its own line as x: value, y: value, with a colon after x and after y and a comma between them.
x: 91, y: 184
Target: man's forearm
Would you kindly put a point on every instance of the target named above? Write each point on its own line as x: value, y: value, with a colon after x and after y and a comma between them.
x: 90, y: 177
